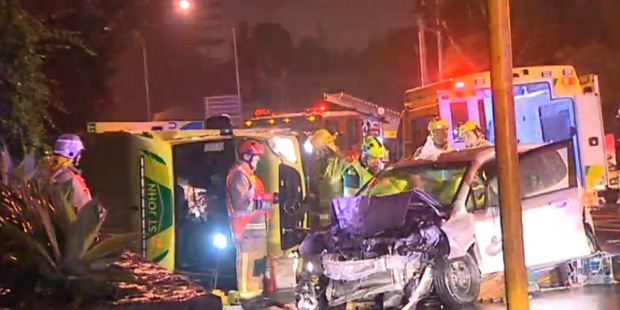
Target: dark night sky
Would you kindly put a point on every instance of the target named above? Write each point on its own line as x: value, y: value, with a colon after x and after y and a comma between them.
x: 350, y: 24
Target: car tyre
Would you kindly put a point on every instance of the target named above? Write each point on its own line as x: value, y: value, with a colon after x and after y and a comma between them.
x: 457, y: 281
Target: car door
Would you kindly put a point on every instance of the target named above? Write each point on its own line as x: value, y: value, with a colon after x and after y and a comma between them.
x: 553, y: 228
x: 553, y: 224
x: 488, y: 229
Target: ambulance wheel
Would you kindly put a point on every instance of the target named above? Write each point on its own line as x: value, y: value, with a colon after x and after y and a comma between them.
x: 457, y: 281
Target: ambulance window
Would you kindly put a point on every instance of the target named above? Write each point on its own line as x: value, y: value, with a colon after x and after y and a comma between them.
x: 556, y: 122
x: 459, y: 113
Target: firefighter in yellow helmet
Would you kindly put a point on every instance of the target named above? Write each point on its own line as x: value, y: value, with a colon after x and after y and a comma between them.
x: 371, y: 162
x: 326, y: 169
x: 436, y: 142
x: 473, y: 135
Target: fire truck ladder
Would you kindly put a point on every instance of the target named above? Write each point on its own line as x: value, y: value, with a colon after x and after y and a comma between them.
x: 362, y: 106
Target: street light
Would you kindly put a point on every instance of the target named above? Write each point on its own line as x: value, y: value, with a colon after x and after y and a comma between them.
x: 138, y: 35
x: 185, y: 5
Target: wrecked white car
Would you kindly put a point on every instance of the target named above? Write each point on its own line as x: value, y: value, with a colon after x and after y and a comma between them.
x: 432, y: 227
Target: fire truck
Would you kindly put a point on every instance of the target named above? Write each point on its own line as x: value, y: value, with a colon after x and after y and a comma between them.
x: 552, y: 103
x: 170, y: 185
x: 352, y: 118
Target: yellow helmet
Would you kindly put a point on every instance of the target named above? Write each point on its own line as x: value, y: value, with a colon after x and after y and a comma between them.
x: 321, y: 139
x: 437, y: 124
x: 374, y: 147
x: 468, y: 126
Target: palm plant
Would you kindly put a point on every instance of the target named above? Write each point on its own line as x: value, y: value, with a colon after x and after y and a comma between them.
x: 46, y: 247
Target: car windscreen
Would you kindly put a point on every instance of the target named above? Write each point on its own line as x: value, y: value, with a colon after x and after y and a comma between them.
x: 439, y: 181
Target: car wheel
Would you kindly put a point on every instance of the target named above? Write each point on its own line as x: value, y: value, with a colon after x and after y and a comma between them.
x: 457, y: 280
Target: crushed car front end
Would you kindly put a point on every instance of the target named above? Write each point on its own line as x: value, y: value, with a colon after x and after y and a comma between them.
x: 380, y: 246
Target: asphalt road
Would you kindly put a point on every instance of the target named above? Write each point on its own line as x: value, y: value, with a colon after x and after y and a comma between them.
x: 595, y: 297
x: 599, y: 297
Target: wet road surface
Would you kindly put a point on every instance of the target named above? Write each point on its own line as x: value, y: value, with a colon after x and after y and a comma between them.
x: 596, y: 297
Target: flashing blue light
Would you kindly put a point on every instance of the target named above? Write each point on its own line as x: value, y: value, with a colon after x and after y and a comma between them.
x: 220, y: 241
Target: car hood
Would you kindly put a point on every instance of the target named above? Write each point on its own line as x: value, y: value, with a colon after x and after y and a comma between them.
x: 368, y: 216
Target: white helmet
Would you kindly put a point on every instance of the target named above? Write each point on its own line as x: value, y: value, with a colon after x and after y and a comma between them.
x: 69, y: 146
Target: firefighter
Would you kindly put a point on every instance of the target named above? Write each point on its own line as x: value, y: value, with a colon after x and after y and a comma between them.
x: 327, y: 169
x: 360, y: 172
x: 67, y: 153
x: 473, y: 135
x: 436, y: 142
x: 248, y: 206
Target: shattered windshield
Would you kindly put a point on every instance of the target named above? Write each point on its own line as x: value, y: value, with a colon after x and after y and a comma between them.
x: 442, y: 182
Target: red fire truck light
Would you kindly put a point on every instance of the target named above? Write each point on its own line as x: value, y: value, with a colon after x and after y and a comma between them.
x: 258, y: 112
x: 568, y: 80
x: 459, y: 84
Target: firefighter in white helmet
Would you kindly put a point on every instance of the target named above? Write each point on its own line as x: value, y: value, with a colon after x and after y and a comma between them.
x: 436, y: 142
x: 67, y: 153
x: 248, y: 206
x: 473, y: 135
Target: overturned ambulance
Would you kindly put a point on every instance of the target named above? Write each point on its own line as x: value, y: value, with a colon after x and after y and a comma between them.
x: 171, y: 186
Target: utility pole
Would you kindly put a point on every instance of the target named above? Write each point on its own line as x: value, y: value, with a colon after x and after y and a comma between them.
x: 146, y: 79
x: 439, y: 40
x: 236, y: 63
x: 421, y: 42
x: 507, y: 157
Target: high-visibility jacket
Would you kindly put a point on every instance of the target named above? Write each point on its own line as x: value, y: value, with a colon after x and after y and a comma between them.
x: 354, y: 177
x: 245, y: 191
x: 327, y: 173
x: 80, y: 192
